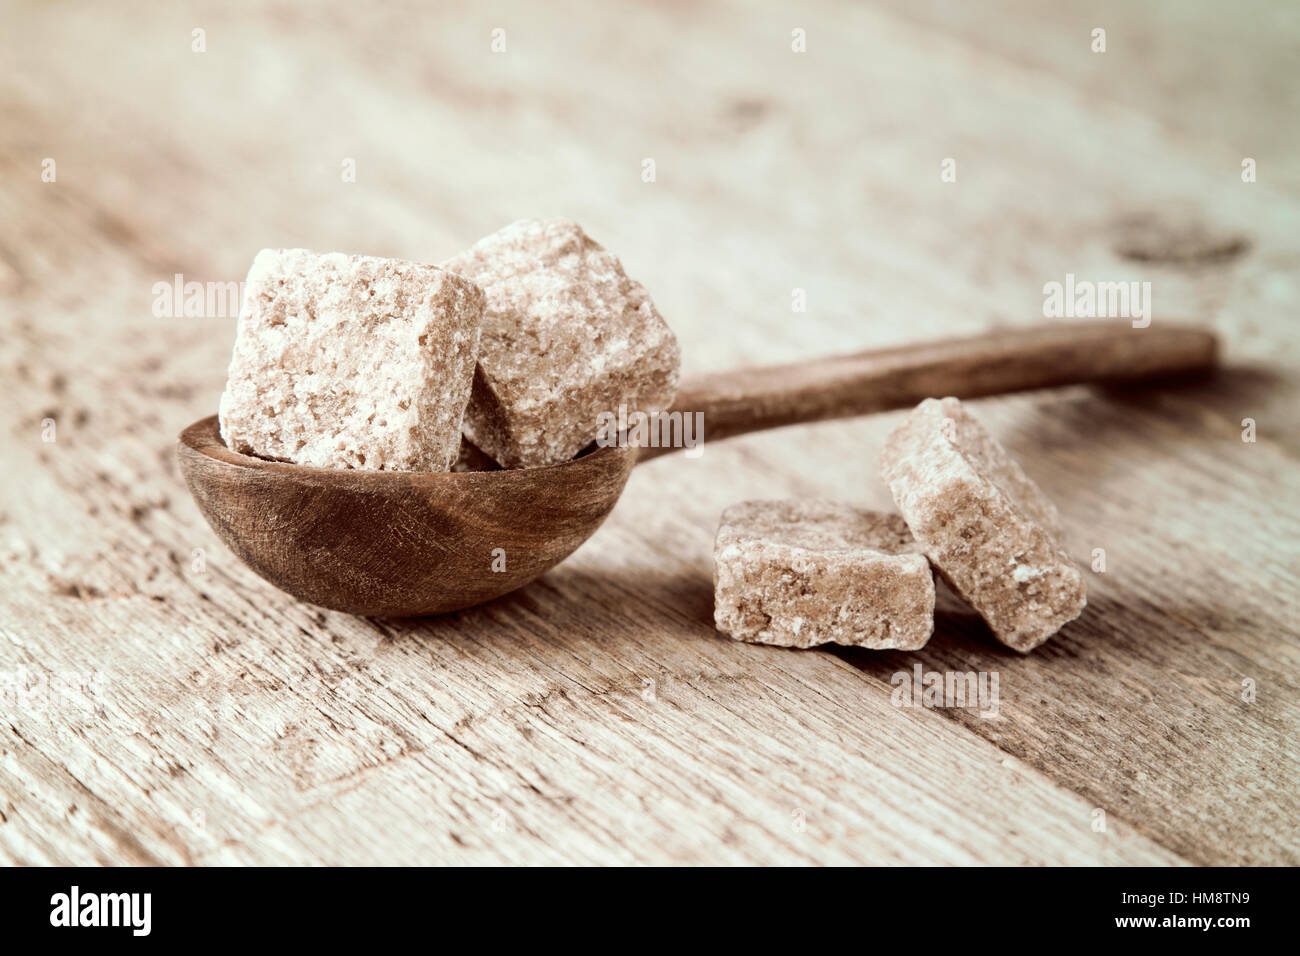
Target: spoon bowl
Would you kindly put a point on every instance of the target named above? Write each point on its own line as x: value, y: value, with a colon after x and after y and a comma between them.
x: 392, y: 543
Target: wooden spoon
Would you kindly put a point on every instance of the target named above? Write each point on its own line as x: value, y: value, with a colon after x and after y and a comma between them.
x: 398, y: 544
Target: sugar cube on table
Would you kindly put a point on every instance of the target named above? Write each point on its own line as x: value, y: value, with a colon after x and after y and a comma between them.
x: 990, y: 531
x: 351, y: 362
x: 800, y: 573
x: 566, y: 336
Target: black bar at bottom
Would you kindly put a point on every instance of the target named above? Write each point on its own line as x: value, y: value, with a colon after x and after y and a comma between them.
x: 335, y: 907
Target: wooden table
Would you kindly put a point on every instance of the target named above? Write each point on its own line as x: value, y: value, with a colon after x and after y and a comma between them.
x: 162, y: 704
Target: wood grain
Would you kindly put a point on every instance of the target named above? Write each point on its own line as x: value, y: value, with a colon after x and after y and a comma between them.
x: 596, y: 716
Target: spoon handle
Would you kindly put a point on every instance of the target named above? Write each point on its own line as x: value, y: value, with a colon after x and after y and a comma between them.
x: 993, y: 363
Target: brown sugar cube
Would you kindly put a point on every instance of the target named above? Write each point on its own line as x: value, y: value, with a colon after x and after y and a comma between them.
x: 351, y: 362
x: 987, y: 527
x: 802, y: 573
x: 566, y: 336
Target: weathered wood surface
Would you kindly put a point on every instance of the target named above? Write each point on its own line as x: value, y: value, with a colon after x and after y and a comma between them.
x: 596, y: 716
